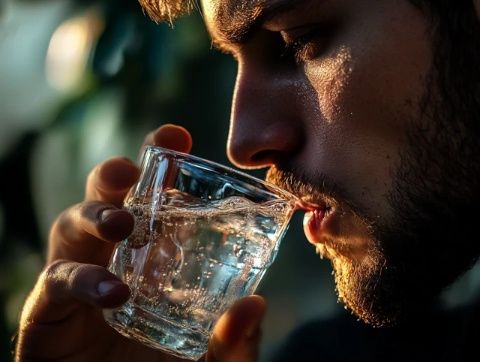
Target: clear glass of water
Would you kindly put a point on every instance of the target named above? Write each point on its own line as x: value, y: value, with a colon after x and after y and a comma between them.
x: 204, y: 236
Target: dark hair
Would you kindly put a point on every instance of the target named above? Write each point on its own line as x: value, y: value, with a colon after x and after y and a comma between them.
x: 455, y: 31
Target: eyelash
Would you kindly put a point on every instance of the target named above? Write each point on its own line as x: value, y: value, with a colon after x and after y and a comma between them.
x: 299, y: 48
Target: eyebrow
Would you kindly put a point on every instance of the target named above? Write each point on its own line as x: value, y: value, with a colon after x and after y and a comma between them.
x: 236, y: 20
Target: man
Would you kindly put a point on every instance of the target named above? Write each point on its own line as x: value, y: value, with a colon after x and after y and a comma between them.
x: 369, y: 110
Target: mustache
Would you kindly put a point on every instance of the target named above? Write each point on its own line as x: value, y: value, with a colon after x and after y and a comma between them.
x: 320, y: 191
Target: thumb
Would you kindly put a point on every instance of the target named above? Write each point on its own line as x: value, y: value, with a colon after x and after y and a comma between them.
x: 237, y: 334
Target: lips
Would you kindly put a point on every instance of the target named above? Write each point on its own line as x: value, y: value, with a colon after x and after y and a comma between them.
x: 335, y: 233
x: 315, y: 221
x: 315, y: 224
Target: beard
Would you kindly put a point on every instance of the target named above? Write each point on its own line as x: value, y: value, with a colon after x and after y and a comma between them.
x: 431, y: 239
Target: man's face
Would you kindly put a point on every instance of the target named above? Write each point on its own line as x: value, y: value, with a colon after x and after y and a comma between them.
x: 335, y: 97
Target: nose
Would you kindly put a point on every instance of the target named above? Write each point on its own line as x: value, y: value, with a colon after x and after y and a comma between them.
x: 265, y: 127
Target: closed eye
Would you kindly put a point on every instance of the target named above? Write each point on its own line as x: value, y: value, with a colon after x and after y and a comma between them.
x: 306, y: 46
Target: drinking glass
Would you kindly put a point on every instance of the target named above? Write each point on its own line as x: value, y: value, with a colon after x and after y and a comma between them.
x: 204, y: 236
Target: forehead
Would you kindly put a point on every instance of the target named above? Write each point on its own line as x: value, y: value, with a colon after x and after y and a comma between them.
x: 215, y: 9
x: 230, y: 19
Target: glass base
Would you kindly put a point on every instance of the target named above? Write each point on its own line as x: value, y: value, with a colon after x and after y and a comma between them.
x: 153, y: 331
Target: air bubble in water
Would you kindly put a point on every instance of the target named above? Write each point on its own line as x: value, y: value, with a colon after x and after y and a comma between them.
x: 221, y: 229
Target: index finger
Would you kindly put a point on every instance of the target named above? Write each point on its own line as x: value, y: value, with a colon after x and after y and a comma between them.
x: 170, y: 136
x: 111, y: 180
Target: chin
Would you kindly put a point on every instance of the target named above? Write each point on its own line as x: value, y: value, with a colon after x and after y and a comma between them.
x: 373, y: 292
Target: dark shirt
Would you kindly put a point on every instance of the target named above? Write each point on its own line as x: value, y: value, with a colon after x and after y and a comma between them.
x: 441, y: 335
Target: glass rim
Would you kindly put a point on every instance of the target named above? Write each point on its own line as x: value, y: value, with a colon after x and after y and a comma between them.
x: 270, y: 187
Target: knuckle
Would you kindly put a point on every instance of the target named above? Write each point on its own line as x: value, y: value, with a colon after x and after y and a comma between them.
x: 60, y: 221
x: 54, y: 274
x: 92, y: 175
x: 55, y: 229
x: 71, y: 219
x: 65, y: 218
x: 91, y: 183
x: 111, y: 179
x: 52, y: 269
x: 65, y: 223
x: 63, y: 276
x: 82, y: 274
x: 55, y: 268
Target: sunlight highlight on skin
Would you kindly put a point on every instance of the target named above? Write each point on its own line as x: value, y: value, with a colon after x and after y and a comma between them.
x: 331, y: 88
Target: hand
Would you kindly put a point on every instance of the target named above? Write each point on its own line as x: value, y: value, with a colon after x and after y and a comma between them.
x: 62, y: 317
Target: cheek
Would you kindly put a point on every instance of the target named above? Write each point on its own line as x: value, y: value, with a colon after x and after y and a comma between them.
x: 329, y: 79
x: 363, y: 100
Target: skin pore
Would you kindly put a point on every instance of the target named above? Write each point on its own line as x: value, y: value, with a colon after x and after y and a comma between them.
x: 365, y: 118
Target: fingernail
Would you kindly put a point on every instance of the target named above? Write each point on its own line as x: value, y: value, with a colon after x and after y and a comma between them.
x: 107, y: 286
x: 106, y: 214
